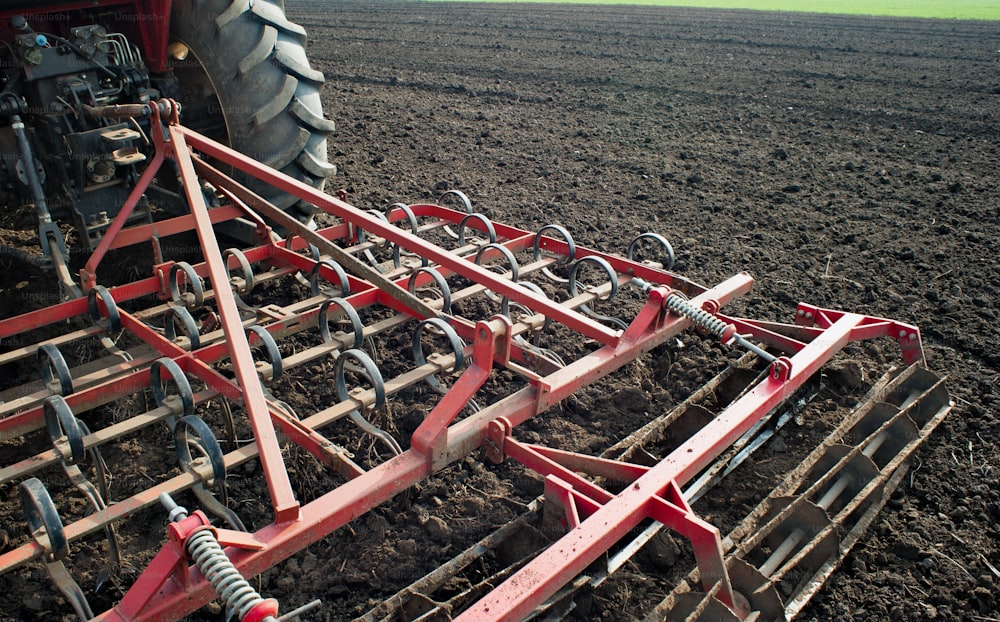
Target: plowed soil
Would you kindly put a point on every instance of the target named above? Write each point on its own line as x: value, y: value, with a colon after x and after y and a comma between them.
x: 847, y: 162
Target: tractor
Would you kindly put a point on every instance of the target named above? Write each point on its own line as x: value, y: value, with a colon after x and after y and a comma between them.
x: 239, y: 68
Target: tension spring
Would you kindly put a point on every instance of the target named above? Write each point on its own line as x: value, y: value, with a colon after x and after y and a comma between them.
x: 220, y: 572
x: 714, y: 326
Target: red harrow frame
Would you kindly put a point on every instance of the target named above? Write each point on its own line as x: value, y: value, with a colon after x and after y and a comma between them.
x: 599, y: 501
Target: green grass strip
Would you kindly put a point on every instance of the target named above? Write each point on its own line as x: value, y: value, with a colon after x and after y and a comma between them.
x: 939, y: 9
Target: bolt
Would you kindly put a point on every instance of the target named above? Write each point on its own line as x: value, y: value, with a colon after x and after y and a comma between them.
x: 175, y: 512
x: 902, y: 334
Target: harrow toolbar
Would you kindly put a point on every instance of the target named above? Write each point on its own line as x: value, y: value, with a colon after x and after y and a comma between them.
x: 470, y: 298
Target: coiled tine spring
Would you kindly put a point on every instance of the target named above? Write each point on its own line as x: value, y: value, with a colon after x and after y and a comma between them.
x: 726, y: 333
x: 466, y: 205
x: 363, y: 239
x: 46, y: 529
x: 455, y: 343
x: 601, y: 263
x: 210, y: 558
x: 443, y: 290
x: 67, y: 435
x: 515, y: 269
x: 411, y: 220
x: 347, y: 311
x: 488, y: 228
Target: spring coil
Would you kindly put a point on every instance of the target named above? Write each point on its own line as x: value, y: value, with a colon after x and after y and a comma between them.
x: 208, y: 555
x: 699, y: 317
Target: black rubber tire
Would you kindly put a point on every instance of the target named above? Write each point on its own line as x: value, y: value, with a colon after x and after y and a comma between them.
x: 249, y: 66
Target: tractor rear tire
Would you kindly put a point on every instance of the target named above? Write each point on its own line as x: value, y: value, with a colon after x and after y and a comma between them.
x: 246, y: 81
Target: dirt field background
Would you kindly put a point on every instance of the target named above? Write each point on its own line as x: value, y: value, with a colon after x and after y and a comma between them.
x: 849, y: 162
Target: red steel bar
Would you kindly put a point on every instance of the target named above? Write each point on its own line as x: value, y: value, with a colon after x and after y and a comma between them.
x: 286, y: 507
x: 580, y: 323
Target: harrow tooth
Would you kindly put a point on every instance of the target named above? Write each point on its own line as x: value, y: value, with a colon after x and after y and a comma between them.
x: 46, y: 528
x: 302, y: 333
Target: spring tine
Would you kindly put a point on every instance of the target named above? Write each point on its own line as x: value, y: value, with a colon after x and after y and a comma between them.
x: 67, y: 432
x: 55, y: 372
x: 439, y: 280
x: 457, y: 349
x: 193, y: 299
x: 70, y: 589
x: 564, y: 260
x: 103, y: 495
x: 47, y: 529
x: 348, y: 310
x: 211, y: 503
x: 208, y: 446
x: 411, y: 219
x: 375, y: 263
x: 370, y: 370
x: 181, y: 404
x: 338, y: 270
x: 612, y: 279
x: 466, y: 204
x: 483, y: 220
x: 266, y: 341
x: 657, y: 238
x: 178, y: 314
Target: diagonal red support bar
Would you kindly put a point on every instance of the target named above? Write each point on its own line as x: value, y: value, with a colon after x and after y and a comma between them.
x: 591, y: 328
x: 89, y: 273
x: 286, y: 508
x: 430, y: 438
